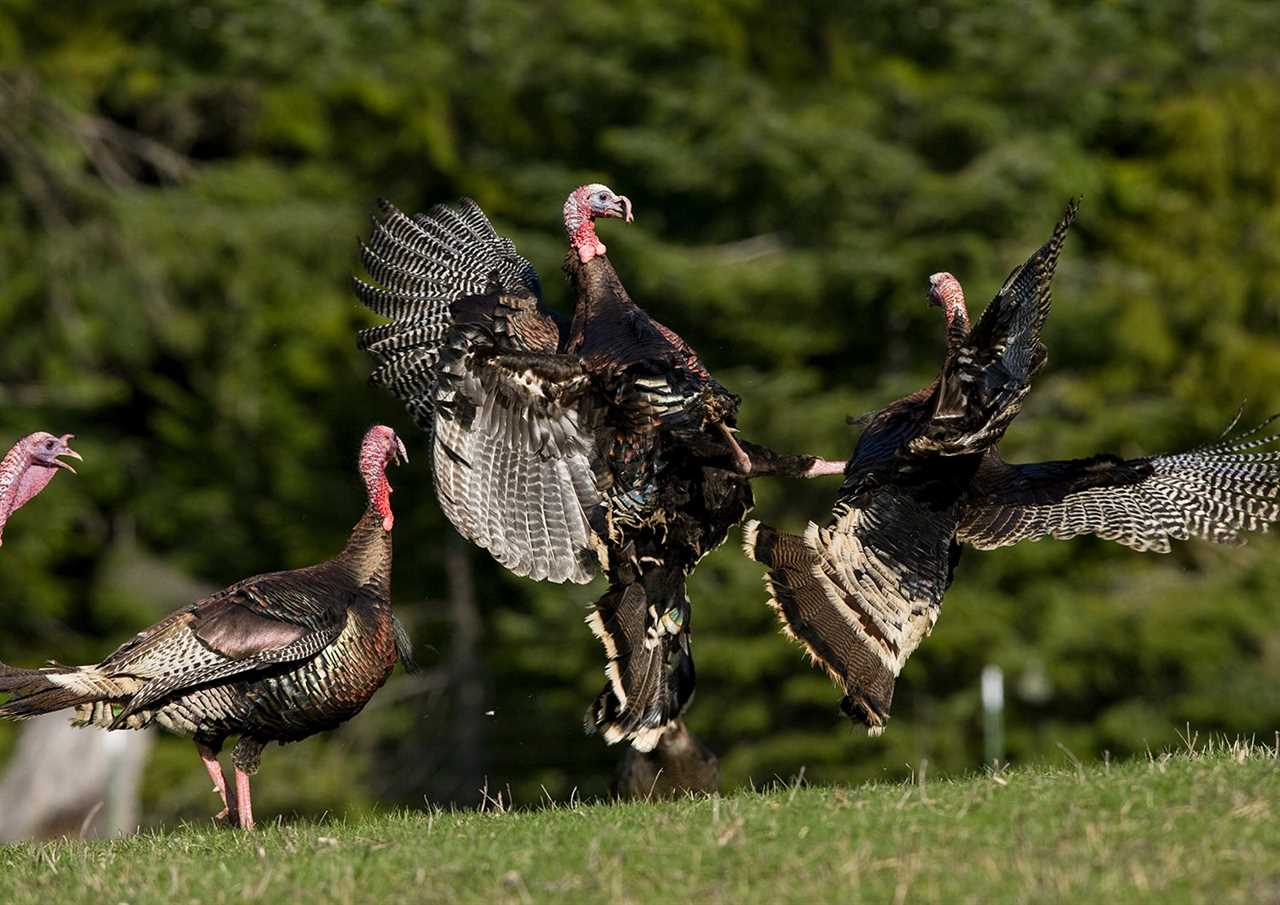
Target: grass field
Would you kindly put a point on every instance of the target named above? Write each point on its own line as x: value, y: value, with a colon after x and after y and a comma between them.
x: 1198, y: 826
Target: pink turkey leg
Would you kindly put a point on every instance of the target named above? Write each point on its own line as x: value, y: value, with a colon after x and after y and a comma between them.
x: 210, y: 761
x: 244, y: 805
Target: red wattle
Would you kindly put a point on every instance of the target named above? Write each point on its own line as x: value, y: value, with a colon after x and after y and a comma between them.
x: 381, y: 499
x: 585, y: 241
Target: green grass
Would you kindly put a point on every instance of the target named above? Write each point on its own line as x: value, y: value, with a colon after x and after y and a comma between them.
x: 1199, y: 826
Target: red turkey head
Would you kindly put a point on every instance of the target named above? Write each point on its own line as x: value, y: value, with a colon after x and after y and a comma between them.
x: 381, y: 447
x: 584, y: 205
x: 945, y: 292
x: 29, y: 467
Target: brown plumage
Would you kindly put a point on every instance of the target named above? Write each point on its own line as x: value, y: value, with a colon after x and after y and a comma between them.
x: 277, y: 657
x: 564, y: 449
x: 863, y: 591
x: 679, y: 765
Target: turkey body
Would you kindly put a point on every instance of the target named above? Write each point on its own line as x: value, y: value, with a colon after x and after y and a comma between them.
x: 276, y: 657
x: 668, y: 496
x: 564, y: 449
x: 289, y: 701
x: 680, y: 764
x: 926, y: 478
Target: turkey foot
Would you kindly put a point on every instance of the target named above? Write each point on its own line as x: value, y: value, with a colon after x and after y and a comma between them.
x: 822, y: 467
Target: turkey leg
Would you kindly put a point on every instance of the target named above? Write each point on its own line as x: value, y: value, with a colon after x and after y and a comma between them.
x: 243, y: 804
x: 209, y: 758
x: 822, y: 467
x: 767, y: 463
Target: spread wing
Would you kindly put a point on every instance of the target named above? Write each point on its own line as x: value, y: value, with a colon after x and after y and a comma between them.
x: 473, y: 354
x: 1214, y: 492
x: 986, y: 378
x: 513, y: 449
x: 861, y: 593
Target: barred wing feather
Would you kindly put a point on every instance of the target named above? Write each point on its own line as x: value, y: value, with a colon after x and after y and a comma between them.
x: 1214, y: 492
x: 473, y: 354
x: 985, y: 380
x: 512, y: 457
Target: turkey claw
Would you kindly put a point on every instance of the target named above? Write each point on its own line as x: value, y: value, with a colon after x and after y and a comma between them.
x: 741, y: 461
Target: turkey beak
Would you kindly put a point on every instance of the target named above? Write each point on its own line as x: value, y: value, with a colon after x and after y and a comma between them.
x: 68, y: 451
x: 626, y: 208
x: 401, y: 455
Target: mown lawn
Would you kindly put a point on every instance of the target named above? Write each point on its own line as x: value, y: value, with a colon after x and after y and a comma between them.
x: 1193, y: 827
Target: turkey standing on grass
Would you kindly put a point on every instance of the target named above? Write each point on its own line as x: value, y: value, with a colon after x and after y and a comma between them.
x: 29, y: 467
x: 861, y: 593
x: 277, y: 657
x: 565, y: 447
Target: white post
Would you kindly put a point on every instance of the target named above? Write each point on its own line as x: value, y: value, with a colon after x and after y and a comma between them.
x: 993, y: 712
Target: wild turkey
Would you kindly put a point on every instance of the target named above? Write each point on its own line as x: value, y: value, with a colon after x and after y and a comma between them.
x: 925, y: 478
x: 678, y: 765
x: 563, y: 448
x: 277, y: 657
x: 29, y: 467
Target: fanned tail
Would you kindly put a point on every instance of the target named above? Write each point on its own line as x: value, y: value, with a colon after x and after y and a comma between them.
x: 644, y: 627
x: 809, y: 616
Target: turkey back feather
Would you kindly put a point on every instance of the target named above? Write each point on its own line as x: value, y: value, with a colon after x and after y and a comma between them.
x: 235, y: 631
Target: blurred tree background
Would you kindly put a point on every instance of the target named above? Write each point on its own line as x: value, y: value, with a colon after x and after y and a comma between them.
x: 181, y: 186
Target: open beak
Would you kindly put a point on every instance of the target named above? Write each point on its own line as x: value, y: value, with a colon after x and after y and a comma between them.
x: 626, y: 208
x: 68, y: 451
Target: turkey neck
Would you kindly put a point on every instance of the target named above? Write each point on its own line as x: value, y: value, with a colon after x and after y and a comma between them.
x: 367, y: 556
x: 600, y: 296
x: 11, y: 468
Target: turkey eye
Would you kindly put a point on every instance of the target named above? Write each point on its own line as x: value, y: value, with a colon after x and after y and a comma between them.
x: 48, y: 444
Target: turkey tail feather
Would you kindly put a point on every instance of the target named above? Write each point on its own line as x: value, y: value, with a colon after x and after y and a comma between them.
x: 644, y: 627
x: 808, y: 616
x: 37, y: 691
